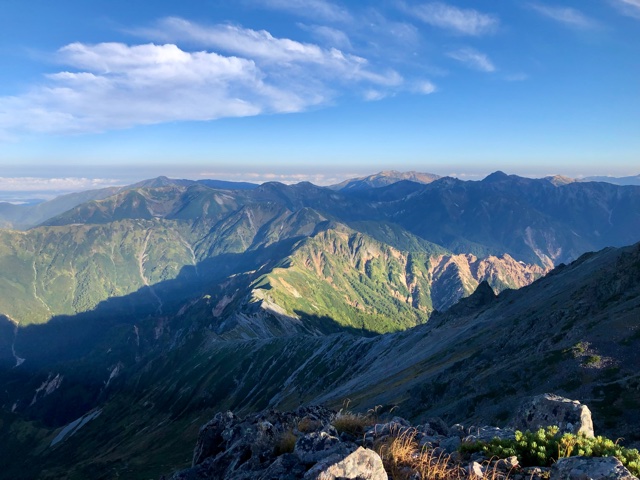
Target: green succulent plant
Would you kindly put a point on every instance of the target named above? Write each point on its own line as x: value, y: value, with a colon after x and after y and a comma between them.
x: 545, y: 446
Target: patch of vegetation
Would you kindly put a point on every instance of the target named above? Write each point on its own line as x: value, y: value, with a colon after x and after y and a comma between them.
x: 285, y: 443
x: 592, y: 360
x: 404, y: 459
x: 580, y: 348
x: 307, y: 425
x: 545, y: 446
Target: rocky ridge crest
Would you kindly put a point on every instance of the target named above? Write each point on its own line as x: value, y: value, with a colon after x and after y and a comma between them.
x: 317, y: 443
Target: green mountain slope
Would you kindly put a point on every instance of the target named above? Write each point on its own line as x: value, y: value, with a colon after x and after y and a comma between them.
x: 27, y: 216
x: 71, y: 269
x: 573, y: 332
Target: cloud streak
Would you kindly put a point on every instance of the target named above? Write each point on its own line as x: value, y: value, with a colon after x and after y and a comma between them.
x: 630, y: 8
x: 473, y: 59
x: 315, y: 9
x: 62, y: 184
x: 564, y: 15
x: 457, y: 20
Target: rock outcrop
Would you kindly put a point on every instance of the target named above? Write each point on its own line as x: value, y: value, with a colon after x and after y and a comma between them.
x: 549, y: 409
x: 279, y: 445
x: 590, y: 468
x: 315, y: 443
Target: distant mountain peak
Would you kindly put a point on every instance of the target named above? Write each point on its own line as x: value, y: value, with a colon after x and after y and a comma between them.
x: 497, y: 176
x: 161, y: 181
x: 384, y: 178
x: 559, y: 180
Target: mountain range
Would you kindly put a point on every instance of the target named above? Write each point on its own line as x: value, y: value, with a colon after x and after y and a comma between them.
x: 139, y: 313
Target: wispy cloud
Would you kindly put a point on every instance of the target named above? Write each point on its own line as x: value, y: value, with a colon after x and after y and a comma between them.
x: 424, y: 87
x: 462, y: 21
x: 328, y: 36
x: 565, y: 15
x: 630, y: 8
x: 315, y: 9
x: 113, y: 85
x: 288, y: 178
x: 473, y: 59
x: 63, y: 184
x: 517, y: 77
x: 264, y: 49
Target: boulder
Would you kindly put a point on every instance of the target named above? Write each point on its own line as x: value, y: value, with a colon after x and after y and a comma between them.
x: 549, y: 409
x: 361, y: 464
x: 475, y: 471
x: 590, y: 468
x: 315, y: 446
x: 486, y: 434
x: 210, y: 440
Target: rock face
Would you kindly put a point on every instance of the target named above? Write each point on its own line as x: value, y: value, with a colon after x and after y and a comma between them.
x: 549, y: 409
x: 279, y: 445
x: 362, y: 464
x: 305, y: 444
x: 590, y: 468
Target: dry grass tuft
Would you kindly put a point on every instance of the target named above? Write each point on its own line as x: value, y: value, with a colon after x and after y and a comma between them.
x: 285, y: 443
x: 352, y: 423
x: 308, y: 425
x: 403, y: 458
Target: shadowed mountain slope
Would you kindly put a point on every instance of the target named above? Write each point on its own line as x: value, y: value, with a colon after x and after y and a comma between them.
x: 574, y: 332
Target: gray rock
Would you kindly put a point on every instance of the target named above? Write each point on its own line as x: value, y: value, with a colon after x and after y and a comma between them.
x: 318, y: 445
x: 438, y: 425
x: 506, y: 464
x: 450, y: 444
x: 457, y: 430
x: 362, y: 464
x: 486, y: 434
x: 590, y: 468
x: 210, y: 439
x: 475, y: 471
x: 285, y: 467
x: 549, y: 409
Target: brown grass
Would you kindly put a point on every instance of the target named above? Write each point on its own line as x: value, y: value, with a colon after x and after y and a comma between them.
x: 352, y: 423
x: 403, y: 458
x: 307, y: 425
x: 285, y: 443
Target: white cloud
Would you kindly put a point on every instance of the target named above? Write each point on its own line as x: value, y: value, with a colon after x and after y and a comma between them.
x: 473, y: 59
x: 311, y: 9
x: 113, y: 85
x: 630, y: 8
x: 328, y: 35
x: 373, y: 95
x: 123, y: 86
x: 288, y: 178
x: 424, y: 87
x: 263, y: 48
x: 459, y: 20
x: 565, y: 15
x: 64, y: 184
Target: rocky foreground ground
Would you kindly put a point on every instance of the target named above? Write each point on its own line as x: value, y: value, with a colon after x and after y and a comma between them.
x: 320, y: 444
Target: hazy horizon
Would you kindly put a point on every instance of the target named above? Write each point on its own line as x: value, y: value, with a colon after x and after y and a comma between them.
x: 24, y: 185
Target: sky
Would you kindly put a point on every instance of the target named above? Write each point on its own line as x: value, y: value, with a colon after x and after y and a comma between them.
x: 107, y: 91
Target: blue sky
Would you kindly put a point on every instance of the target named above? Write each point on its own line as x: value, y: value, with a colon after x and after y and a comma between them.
x: 319, y: 90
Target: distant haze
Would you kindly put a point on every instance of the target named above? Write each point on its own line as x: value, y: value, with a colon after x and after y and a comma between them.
x: 24, y: 184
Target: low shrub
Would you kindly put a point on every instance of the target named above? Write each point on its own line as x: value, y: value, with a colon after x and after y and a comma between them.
x: 545, y: 446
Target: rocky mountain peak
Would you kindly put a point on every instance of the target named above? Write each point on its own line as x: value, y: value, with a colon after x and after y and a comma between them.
x: 497, y: 176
